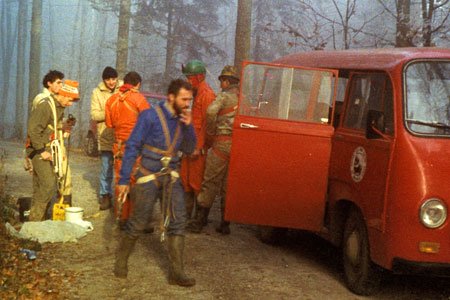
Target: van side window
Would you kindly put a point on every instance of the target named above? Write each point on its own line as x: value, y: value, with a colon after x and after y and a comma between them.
x: 371, y: 91
x: 287, y: 93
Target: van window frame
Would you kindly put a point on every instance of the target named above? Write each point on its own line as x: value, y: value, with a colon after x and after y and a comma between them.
x: 405, y: 100
x: 349, y: 94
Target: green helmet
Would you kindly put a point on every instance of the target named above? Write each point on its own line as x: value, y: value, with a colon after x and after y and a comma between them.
x: 193, y: 67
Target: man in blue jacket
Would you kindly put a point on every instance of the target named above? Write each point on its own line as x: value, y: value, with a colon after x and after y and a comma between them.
x: 159, y: 134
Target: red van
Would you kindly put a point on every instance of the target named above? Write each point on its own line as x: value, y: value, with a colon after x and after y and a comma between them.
x: 354, y: 146
x: 90, y: 143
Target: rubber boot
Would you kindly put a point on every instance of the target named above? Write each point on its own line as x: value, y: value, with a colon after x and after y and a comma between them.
x: 123, y: 252
x: 205, y: 216
x: 190, y: 201
x: 224, y: 228
x: 197, y: 224
x: 175, y: 245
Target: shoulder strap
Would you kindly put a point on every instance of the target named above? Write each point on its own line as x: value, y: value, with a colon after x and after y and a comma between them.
x: 123, y: 98
x: 52, y: 105
x: 170, y: 145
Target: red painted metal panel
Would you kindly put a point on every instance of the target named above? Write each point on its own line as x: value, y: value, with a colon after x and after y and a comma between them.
x: 278, y: 173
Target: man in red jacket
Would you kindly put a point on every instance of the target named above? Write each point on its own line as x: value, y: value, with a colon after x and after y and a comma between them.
x: 193, y: 165
x: 121, y: 112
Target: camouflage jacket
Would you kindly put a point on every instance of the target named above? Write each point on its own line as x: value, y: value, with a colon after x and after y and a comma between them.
x: 220, y: 113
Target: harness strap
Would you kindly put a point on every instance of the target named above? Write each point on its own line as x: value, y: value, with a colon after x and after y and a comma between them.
x: 222, y: 137
x: 119, y: 153
x: 221, y: 154
x: 123, y: 99
x: 227, y: 110
x: 170, y: 145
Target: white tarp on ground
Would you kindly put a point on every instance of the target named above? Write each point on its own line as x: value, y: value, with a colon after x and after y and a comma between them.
x: 53, y: 231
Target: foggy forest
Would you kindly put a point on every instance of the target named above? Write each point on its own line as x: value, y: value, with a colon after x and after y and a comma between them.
x: 155, y: 37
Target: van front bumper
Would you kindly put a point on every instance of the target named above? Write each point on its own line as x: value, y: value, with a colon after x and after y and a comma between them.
x: 402, y: 266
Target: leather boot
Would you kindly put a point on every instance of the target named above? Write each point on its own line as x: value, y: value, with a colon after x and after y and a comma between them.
x: 105, y: 202
x: 190, y: 201
x: 224, y: 228
x: 175, y: 245
x: 197, y: 224
x: 205, y: 216
x: 123, y: 252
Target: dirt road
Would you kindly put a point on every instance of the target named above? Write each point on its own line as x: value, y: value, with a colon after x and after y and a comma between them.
x: 237, y: 266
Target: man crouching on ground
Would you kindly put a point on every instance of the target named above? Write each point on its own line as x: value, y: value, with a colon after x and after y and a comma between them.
x: 159, y: 134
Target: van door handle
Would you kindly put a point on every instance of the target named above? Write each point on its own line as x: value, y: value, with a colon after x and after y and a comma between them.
x: 246, y: 125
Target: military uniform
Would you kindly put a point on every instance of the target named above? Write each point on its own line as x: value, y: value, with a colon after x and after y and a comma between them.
x: 219, y: 127
x: 40, y: 130
x: 219, y: 124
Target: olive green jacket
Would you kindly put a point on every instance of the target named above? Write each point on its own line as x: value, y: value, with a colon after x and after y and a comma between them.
x: 41, y: 123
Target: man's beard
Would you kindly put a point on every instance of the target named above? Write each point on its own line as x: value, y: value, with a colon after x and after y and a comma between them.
x: 179, y: 109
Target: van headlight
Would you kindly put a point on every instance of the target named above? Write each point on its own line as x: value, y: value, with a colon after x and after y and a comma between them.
x: 433, y: 213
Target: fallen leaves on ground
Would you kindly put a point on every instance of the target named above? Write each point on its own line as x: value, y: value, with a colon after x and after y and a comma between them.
x: 21, y: 278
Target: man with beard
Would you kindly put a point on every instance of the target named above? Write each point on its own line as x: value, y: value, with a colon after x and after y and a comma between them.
x: 159, y: 134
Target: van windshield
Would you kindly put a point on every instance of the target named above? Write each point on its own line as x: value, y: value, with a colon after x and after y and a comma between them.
x: 428, y: 97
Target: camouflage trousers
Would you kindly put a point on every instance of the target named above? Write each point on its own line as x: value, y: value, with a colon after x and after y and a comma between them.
x: 216, y: 172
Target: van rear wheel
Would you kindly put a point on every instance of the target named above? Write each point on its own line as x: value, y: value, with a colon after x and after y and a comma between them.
x: 362, y: 276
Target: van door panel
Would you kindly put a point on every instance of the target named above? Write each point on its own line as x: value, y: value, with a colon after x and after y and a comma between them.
x: 278, y: 170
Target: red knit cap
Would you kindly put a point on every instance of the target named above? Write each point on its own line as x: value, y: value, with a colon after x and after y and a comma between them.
x: 70, y: 89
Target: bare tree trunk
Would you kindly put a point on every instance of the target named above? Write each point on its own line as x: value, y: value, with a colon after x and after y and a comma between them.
x: 243, y: 32
x: 35, y: 51
x: 403, y: 35
x: 122, y: 37
x: 169, y: 44
x: 7, y: 36
x: 427, y: 16
x: 20, y: 92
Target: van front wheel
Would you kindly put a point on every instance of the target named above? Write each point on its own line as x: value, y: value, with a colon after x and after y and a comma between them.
x: 361, y: 275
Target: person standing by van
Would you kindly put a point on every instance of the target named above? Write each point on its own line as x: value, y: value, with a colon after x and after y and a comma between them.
x: 193, y: 165
x: 104, y: 90
x: 219, y: 126
x: 159, y: 134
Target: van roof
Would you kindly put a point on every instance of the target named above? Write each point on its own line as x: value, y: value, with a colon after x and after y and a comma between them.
x: 362, y: 59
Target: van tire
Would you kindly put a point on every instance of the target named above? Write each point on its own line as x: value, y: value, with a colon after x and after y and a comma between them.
x: 362, y: 276
x: 270, y: 235
x: 90, y: 145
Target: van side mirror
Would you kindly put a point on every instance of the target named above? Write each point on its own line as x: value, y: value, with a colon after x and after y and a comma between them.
x: 375, y: 124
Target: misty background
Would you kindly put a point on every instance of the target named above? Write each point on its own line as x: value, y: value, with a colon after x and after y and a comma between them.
x: 154, y: 37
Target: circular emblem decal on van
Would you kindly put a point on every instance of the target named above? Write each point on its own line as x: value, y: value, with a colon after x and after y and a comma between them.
x: 358, y: 164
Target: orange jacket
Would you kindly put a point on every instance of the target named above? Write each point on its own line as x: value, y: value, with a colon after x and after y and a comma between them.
x: 192, y: 168
x: 122, y: 110
x: 205, y: 96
